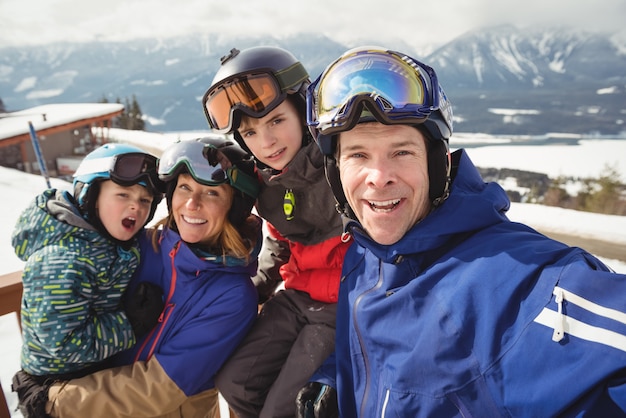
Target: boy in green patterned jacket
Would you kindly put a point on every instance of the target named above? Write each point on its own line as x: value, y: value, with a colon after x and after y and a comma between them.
x: 80, y: 252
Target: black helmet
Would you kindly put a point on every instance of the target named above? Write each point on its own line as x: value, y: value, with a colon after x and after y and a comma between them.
x: 253, y: 81
x: 213, y: 161
x: 376, y: 84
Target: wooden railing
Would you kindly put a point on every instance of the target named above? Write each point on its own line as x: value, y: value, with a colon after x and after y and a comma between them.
x: 10, y: 301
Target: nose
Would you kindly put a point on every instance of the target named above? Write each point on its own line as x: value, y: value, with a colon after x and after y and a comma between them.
x: 192, y: 203
x: 380, y: 173
x: 267, y: 138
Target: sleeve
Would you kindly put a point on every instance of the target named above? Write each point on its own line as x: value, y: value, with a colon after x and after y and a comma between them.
x: 197, y: 350
x: 141, y: 389
x: 327, y: 372
x: 82, y: 332
x: 274, y: 254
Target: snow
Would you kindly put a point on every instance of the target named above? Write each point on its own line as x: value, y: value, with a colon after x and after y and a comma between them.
x: 571, y: 157
x: 586, y: 159
x: 47, y: 116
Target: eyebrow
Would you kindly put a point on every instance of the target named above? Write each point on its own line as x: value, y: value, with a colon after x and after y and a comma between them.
x: 400, y: 144
x: 243, y: 125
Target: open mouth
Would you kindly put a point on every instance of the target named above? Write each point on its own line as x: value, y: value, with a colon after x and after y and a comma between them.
x: 129, y: 222
x: 384, y: 206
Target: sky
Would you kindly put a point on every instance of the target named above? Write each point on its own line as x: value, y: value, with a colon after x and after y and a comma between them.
x: 36, y: 22
x: 590, y: 156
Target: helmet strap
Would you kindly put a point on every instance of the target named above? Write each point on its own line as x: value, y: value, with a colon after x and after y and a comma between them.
x: 333, y: 179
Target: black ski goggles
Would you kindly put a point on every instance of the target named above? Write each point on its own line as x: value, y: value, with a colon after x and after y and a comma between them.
x: 395, y: 88
x: 206, y: 164
x: 124, y: 169
x: 255, y: 93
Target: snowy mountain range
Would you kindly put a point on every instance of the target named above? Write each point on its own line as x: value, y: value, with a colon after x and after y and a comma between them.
x: 501, y: 80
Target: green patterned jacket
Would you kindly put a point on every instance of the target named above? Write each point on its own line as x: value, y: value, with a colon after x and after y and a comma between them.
x: 73, y: 279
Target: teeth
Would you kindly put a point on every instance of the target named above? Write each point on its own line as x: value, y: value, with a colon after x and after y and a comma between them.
x: 275, y: 154
x: 193, y: 220
x: 384, y: 206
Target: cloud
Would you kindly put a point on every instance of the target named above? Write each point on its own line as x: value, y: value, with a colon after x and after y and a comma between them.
x: 416, y: 23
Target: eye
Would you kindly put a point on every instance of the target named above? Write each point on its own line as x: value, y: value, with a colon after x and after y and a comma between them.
x: 247, y: 133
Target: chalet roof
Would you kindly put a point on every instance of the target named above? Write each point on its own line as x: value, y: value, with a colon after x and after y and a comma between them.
x: 52, y: 118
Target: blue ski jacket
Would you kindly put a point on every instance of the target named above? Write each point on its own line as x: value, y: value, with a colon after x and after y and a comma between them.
x: 209, y: 306
x: 472, y: 315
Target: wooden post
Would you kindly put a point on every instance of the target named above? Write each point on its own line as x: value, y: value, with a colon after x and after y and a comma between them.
x: 10, y: 301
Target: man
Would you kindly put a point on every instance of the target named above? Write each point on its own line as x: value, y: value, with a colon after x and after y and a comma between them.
x: 446, y: 307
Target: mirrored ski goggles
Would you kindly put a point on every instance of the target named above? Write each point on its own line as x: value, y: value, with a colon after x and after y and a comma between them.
x: 206, y: 164
x: 396, y: 88
x: 124, y: 169
x: 256, y: 94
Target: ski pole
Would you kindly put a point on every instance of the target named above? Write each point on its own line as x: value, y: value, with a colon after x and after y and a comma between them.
x: 40, y: 160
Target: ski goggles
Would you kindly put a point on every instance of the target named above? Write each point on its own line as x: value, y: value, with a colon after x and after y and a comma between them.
x: 206, y: 164
x: 124, y: 169
x: 395, y: 88
x: 256, y: 94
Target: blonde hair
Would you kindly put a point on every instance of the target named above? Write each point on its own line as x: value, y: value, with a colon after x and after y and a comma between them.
x: 231, y: 241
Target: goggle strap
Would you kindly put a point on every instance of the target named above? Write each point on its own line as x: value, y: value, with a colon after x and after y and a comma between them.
x: 243, y: 182
x: 291, y: 76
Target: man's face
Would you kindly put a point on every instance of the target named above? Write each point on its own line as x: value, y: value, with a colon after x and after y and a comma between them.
x: 384, y: 174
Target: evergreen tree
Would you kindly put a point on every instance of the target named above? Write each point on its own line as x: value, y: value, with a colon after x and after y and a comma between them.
x: 135, y: 116
x: 131, y: 117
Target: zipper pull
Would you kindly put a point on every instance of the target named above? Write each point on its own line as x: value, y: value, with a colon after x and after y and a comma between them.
x: 289, y: 204
x: 559, y: 326
x: 165, y: 309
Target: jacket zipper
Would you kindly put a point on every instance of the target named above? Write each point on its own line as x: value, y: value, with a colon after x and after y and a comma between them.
x: 167, y: 310
x: 360, y: 338
x: 559, y: 326
x: 561, y: 323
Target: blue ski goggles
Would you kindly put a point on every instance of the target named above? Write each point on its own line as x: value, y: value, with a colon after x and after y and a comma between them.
x: 206, y: 164
x: 395, y: 88
x: 124, y: 169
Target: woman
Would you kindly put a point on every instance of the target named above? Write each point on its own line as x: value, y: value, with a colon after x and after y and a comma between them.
x: 202, y: 256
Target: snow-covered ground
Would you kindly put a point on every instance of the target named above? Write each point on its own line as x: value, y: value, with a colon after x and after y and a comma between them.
x: 589, y: 158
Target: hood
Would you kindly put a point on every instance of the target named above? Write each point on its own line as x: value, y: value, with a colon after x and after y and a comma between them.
x: 471, y: 206
x: 50, y: 218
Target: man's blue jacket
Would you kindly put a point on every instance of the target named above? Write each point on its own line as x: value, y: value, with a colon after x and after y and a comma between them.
x: 472, y: 315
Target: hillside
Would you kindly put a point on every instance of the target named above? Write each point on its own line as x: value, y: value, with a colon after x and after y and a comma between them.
x: 501, y: 80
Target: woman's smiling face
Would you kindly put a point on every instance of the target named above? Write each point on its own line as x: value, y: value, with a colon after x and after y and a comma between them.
x: 200, y: 211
